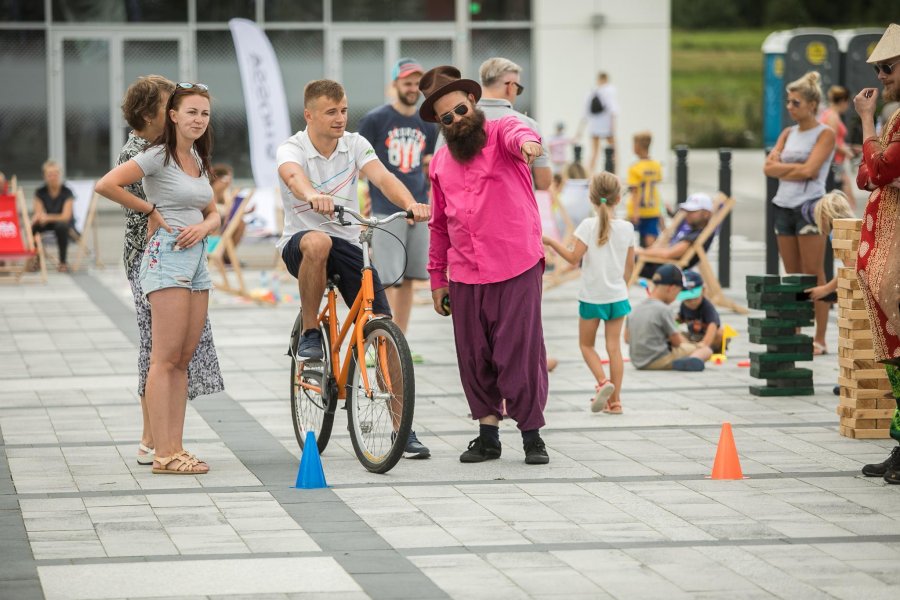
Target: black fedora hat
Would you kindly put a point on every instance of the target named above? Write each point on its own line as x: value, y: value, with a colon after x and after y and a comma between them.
x: 440, y: 81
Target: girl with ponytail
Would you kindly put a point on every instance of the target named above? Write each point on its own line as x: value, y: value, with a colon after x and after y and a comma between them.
x: 606, y: 246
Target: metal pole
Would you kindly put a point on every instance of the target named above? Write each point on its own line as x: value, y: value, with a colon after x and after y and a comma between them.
x: 725, y: 229
x: 681, y: 173
x: 610, y: 163
x: 771, y: 242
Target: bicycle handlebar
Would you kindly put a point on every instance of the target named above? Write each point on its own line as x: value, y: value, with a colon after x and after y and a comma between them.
x: 370, y: 221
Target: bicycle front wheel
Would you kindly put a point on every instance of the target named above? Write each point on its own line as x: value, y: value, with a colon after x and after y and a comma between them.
x: 312, y: 398
x: 380, y: 417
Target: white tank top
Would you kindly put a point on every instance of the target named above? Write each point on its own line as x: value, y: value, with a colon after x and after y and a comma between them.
x: 797, y: 147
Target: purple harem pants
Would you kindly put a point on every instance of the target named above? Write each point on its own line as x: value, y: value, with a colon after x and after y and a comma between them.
x: 500, y: 347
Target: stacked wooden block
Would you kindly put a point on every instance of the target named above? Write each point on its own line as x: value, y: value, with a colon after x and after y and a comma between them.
x: 787, y: 308
x: 866, y: 405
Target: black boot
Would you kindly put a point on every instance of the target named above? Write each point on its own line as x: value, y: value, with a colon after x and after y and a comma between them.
x: 536, y: 452
x: 891, y: 465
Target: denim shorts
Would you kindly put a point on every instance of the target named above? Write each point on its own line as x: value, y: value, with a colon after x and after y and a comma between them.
x: 792, y: 221
x: 605, y: 312
x: 164, y: 267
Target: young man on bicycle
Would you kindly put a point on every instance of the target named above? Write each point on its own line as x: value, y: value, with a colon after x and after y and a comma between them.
x: 486, y: 254
x: 319, y: 168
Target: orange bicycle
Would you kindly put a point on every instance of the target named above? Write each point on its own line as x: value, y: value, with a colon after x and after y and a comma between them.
x: 374, y: 377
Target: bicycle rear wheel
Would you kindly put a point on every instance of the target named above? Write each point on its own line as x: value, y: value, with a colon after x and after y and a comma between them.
x: 312, y: 392
x: 380, y: 420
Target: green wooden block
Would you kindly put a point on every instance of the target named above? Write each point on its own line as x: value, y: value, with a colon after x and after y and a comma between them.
x: 771, y: 323
x: 758, y: 336
x: 788, y: 372
x: 799, y: 279
x: 764, y: 391
x: 770, y: 297
x: 792, y: 383
x: 779, y: 357
x: 763, y: 370
x: 783, y: 310
x: 804, y: 349
x: 785, y: 338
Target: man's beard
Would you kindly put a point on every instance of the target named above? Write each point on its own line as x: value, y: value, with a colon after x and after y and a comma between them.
x: 891, y: 94
x: 466, y: 137
x: 404, y: 99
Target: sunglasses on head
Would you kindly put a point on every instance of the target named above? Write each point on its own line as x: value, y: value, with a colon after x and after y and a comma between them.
x: 519, y: 87
x: 186, y: 85
x: 460, y: 109
x: 883, y: 68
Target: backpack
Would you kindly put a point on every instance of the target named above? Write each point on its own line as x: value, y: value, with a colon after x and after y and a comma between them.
x: 597, y: 105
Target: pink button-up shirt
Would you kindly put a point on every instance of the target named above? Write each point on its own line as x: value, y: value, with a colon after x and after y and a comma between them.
x: 485, y: 225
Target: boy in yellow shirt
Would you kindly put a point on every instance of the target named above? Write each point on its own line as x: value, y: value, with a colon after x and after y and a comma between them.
x: 644, y: 177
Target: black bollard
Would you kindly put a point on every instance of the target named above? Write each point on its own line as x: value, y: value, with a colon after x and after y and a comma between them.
x: 610, y: 162
x: 725, y: 229
x: 771, y: 242
x: 681, y: 173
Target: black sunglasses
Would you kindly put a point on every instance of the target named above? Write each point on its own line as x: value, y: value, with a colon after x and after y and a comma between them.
x: 186, y: 85
x: 794, y: 103
x: 519, y: 87
x: 886, y: 69
x: 460, y: 109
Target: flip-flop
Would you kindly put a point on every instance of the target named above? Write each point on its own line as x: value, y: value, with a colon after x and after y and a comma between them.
x: 819, y: 349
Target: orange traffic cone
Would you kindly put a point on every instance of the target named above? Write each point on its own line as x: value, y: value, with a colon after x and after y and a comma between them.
x: 727, y: 464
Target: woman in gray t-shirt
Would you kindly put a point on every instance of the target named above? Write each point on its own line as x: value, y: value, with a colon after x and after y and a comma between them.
x: 173, y: 275
x: 800, y: 160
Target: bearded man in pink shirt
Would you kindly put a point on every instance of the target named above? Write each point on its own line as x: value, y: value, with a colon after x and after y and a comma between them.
x: 486, y: 255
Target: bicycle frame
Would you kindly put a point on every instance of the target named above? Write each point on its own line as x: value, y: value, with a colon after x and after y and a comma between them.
x: 360, y: 313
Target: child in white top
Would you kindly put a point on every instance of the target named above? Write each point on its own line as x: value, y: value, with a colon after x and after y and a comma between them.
x: 607, y: 246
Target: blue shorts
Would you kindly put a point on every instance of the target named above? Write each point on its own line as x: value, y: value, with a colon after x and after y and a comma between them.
x: 648, y: 226
x: 604, y: 312
x: 164, y: 267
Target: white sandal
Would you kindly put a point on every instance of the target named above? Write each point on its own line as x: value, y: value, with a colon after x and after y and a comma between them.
x: 147, y: 457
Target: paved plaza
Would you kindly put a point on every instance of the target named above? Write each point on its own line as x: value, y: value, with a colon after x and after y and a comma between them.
x: 623, y: 510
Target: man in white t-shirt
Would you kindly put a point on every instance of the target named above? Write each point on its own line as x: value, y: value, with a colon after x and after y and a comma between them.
x: 319, y: 168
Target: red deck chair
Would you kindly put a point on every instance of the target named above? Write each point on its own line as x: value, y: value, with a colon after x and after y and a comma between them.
x: 18, y: 247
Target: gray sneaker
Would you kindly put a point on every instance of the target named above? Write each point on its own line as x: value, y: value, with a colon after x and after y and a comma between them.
x: 310, y: 346
x: 415, y: 448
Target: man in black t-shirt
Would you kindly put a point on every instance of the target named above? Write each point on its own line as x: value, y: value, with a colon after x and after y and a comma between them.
x: 404, y: 142
x: 53, y: 204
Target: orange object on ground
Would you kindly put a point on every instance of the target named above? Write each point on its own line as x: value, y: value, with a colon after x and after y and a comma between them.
x: 727, y: 464
x: 744, y: 363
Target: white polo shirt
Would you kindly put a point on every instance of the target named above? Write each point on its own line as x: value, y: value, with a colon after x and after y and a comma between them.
x: 336, y: 176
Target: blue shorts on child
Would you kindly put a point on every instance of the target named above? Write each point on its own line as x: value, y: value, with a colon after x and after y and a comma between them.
x: 162, y: 266
x: 604, y: 312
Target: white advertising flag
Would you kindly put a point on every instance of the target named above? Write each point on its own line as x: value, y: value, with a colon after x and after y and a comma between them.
x: 268, y: 119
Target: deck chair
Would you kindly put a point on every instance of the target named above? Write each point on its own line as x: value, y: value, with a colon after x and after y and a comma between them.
x: 223, y: 245
x: 84, y: 211
x: 18, y: 247
x: 696, y: 253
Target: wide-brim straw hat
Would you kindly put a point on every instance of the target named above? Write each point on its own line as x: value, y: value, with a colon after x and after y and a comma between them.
x: 888, y: 46
x: 440, y: 81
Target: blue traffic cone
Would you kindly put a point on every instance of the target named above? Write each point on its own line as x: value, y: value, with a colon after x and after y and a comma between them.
x: 310, y: 476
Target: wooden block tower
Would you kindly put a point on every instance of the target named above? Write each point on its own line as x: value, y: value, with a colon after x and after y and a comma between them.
x: 866, y: 403
x: 787, y: 308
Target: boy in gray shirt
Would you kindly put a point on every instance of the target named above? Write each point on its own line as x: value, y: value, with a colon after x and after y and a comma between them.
x: 651, y: 333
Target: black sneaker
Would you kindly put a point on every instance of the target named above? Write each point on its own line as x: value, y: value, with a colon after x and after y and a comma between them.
x: 536, y: 452
x: 882, y: 469
x: 310, y: 346
x: 893, y: 475
x: 480, y: 450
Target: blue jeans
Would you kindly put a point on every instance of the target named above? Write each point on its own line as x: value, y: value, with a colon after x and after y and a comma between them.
x: 162, y: 266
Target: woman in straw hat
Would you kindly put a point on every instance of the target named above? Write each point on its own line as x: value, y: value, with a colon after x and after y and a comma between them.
x: 878, y: 261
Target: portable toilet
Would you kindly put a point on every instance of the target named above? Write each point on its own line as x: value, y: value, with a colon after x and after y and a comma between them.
x: 799, y: 51
x: 856, y: 45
